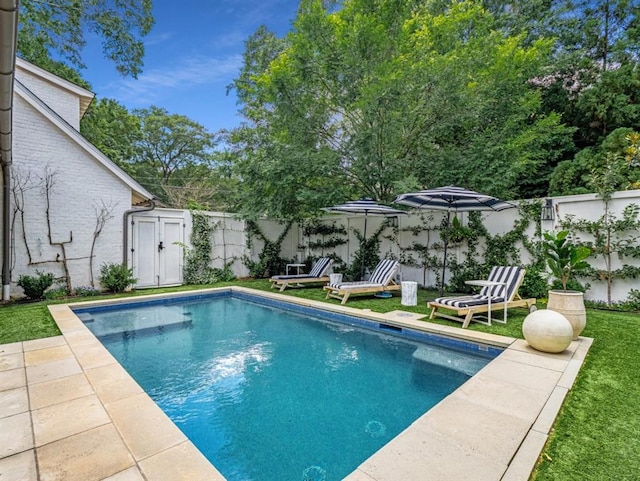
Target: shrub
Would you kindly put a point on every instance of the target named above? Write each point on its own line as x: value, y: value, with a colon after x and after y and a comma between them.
x: 535, y: 283
x: 116, y: 277
x: 34, y: 286
x: 83, y: 291
x: 56, y: 293
x: 632, y: 303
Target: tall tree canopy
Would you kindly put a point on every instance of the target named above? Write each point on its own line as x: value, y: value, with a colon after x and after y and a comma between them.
x: 167, y: 147
x: 56, y: 29
x: 381, y: 96
x: 113, y: 129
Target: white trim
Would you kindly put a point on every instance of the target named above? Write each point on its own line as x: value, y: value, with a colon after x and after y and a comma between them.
x: 620, y: 194
x: 24, y: 93
x: 86, y: 96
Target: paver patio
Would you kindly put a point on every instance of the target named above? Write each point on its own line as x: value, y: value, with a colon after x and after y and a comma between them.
x: 66, y: 403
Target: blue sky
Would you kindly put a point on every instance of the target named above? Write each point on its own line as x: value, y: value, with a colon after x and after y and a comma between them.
x: 192, y: 53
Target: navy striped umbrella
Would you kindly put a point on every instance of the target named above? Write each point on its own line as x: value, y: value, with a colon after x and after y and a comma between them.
x: 367, y: 207
x: 451, y: 199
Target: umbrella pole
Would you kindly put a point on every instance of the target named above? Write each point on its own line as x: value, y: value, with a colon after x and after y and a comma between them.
x: 362, y: 250
x: 444, y: 261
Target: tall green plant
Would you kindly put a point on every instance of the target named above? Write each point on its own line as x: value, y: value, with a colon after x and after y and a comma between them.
x: 563, y: 257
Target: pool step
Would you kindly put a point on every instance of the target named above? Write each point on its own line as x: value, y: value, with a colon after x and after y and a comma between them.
x: 458, y: 361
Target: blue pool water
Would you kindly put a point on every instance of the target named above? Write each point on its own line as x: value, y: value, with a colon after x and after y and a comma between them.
x: 270, y: 394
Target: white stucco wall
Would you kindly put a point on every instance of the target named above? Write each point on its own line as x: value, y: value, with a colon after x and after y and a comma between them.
x: 64, y: 102
x: 586, y: 206
x: 81, y: 186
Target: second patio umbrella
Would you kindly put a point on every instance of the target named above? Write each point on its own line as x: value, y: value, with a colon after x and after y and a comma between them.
x: 367, y: 207
x: 451, y: 199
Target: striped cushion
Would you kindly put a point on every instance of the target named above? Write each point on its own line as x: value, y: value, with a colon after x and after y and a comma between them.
x: 355, y: 284
x: 383, y: 272
x: 381, y: 276
x: 292, y: 276
x: 321, y: 266
x: 506, y: 274
x: 466, y: 301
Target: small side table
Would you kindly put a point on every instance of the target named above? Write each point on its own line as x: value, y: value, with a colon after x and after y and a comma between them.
x: 297, y: 266
x: 409, y: 293
x: 484, y: 283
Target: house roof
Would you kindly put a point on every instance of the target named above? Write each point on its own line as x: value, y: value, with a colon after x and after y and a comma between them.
x: 86, y: 96
x: 138, y: 193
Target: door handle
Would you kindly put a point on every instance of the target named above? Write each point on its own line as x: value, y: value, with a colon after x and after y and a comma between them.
x: 160, y: 246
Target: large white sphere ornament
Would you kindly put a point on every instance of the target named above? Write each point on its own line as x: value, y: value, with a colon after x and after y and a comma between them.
x: 547, y: 331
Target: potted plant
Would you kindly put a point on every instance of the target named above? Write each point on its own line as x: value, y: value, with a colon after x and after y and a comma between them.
x: 564, y: 259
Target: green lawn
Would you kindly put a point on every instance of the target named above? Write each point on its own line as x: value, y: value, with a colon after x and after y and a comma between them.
x: 597, y: 435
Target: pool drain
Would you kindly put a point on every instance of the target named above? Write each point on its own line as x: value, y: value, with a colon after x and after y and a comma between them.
x: 375, y: 429
x: 314, y: 473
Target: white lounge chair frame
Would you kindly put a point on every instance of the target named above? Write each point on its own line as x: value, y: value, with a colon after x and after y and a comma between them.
x: 381, y: 280
x: 504, y: 281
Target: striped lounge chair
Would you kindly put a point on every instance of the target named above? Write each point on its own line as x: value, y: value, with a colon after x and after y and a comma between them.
x: 381, y: 280
x: 499, y: 291
x: 319, y: 273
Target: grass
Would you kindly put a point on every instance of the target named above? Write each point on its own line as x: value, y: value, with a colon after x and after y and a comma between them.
x: 597, y: 434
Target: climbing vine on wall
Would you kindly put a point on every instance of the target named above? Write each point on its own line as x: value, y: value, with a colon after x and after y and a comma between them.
x: 419, y: 254
x: 482, y: 250
x: 269, y: 260
x: 198, y: 257
x: 197, y: 265
x: 324, y: 237
x: 612, y: 235
x: 330, y: 235
x: 368, y: 254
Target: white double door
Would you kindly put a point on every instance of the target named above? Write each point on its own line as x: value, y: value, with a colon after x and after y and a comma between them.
x: 157, y: 250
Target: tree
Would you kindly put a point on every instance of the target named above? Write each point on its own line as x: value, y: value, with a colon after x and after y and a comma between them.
x: 168, y: 143
x: 604, y: 32
x: 113, y: 129
x: 592, y: 78
x: 208, y: 187
x: 382, y: 95
x: 57, y: 29
x: 599, y: 169
x: 277, y: 178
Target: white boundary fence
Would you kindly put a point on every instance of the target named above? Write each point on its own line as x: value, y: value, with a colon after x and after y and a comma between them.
x: 230, y: 238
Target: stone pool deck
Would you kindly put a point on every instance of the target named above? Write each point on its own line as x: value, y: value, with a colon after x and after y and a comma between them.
x: 69, y: 411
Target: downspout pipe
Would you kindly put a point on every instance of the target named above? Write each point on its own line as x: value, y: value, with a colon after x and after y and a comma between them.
x: 8, y: 46
x: 125, y: 228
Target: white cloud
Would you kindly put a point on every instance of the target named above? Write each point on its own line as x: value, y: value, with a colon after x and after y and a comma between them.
x: 155, y: 83
x: 158, y: 38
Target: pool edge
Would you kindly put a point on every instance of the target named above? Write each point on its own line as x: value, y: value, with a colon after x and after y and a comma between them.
x: 426, y: 445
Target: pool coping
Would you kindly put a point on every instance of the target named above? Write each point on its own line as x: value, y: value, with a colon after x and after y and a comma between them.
x: 508, y: 410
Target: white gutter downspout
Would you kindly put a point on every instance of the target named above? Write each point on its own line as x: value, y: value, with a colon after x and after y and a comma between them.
x: 8, y: 44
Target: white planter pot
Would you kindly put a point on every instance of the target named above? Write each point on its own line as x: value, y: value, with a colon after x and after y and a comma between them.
x: 571, y: 305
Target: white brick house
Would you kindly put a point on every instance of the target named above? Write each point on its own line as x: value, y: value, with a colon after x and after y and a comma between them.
x: 61, y: 183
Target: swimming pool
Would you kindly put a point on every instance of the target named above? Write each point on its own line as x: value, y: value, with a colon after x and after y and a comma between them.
x: 273, y: 404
